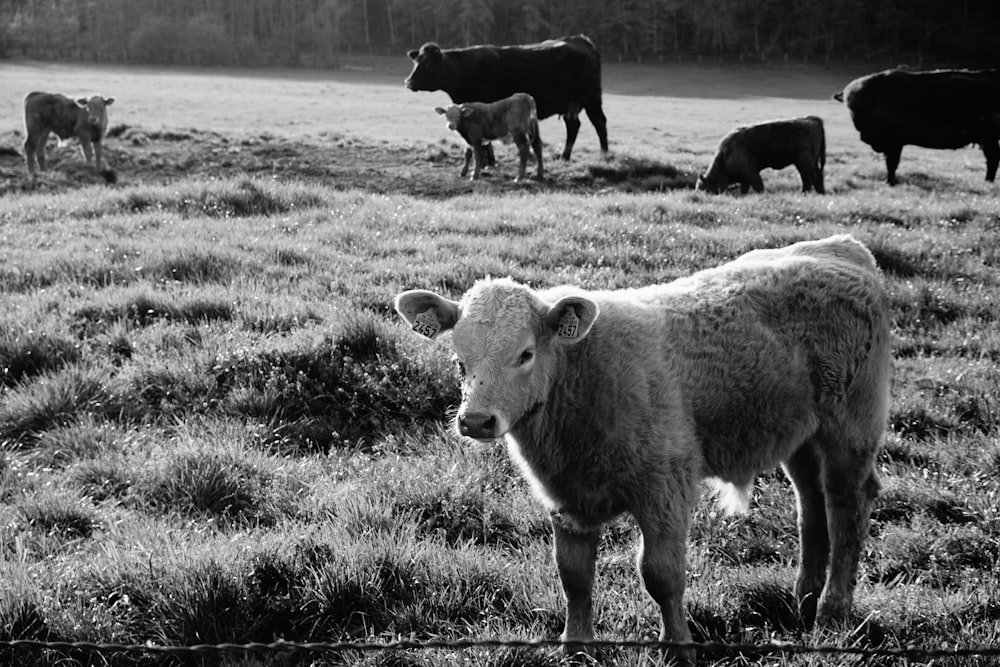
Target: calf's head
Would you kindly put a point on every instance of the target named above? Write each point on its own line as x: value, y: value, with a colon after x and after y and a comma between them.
x: 507, y: 340
x: 454, y: 115
x: 96, y: 106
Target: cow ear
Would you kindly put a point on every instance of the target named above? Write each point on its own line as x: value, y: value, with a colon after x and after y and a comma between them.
x: 466, y: 111
x: 108, y: 101
x: 427, y: 313
x: 412, y: 54
x: 81, y: 102
x: 571, y: 318
x: 439, y: 110
x: 432, y: 50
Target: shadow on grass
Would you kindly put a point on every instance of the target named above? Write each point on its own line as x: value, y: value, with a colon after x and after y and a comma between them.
x: 641, y: 175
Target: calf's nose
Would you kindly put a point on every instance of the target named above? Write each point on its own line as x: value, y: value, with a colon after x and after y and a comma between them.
x: 479, y: 425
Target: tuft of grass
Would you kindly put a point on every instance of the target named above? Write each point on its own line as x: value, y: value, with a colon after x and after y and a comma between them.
x: 59, y: 515
x: 144, y: 308
x: 342, y: 389
x: 240, y: 199
x: 25, y: 353
x: 54, y: 400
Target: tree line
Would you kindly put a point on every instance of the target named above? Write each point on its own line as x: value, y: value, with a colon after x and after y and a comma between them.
x: 318, y: 33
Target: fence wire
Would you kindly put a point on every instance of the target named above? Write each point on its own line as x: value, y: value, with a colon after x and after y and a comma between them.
x: 719, y: 649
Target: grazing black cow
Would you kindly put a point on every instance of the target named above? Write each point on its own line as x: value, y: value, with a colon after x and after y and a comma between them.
x: 562, y: 75
x: 944, y: 108
x: 83, y: 118
x: 479, y: 123
x: 775, y: 144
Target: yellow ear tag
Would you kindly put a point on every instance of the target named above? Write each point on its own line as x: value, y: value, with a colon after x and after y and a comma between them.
x: 569, y: 325
x: 426, y: 323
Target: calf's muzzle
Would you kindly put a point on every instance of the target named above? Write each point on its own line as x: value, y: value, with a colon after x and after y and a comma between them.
x: 478, y: 425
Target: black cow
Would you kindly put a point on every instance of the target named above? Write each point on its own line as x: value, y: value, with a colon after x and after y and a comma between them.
x: 934, y: 109
x: 562, y: 75
x: 511, y: 118
x: 83, y: 118
x: 775, y: 144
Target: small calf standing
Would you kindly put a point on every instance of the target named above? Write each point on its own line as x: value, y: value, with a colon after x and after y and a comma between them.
x: 775, y: 144
x: 479, y: 123
x: 83, y: 118
x: 620, y: 401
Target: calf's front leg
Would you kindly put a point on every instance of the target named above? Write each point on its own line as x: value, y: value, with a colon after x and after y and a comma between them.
x: 99, y: 165
x: 86, y: 147
x: 576, y: 556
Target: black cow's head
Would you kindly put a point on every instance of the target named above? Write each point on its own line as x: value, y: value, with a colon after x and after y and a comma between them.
x: 426, y: 62
x: 711, y: 183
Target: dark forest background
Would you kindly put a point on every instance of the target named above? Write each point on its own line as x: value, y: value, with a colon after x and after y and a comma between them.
x: 319, y: 33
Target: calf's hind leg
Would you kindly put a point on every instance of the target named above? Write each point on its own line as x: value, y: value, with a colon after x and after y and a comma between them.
x: 851, y: 486
x: 663, y: 556
x: 521, y: 141
x: 803, y: 469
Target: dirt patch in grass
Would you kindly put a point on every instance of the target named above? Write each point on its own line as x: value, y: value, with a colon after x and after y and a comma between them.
x: 139, y: 156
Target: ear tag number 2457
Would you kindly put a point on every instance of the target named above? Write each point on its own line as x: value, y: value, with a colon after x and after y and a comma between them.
x: 569, y: 325
x: 426, y: 323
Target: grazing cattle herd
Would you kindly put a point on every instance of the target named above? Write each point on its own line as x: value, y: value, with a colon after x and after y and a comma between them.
x: 501, y: 92
x: 621, y: 401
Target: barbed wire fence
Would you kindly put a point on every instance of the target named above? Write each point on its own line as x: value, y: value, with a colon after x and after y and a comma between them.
x: 708, y: 649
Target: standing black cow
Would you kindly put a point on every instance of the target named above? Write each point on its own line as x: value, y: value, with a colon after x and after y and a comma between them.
x: 935, y: 109
x: 562, y: 75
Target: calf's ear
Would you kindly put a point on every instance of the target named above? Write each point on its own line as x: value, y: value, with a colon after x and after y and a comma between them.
x: 439, y: 110
x: 81, y: 102
x: 571, y: 318
x: 108, y: 101
x: 427, y: 313
x: 412, y: 54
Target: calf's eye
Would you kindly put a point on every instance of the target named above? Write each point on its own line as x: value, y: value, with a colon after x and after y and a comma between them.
x: 525, y: 357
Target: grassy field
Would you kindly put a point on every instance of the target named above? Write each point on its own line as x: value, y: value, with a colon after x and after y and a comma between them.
x: 214, y: 429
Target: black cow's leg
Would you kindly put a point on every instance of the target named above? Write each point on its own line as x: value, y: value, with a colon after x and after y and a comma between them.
x: 572, y: 120
x: 892, y: 154
x: 756, y: 183
x: 805, y: 173
x: 596, y: 115
x: 991, y: 149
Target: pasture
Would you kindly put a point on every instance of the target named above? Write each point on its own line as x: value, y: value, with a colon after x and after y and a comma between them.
x: 214, y: 429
